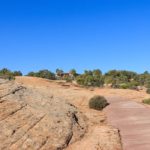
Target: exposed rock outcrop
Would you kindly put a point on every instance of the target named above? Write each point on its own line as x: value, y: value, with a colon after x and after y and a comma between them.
x: 32, y: 120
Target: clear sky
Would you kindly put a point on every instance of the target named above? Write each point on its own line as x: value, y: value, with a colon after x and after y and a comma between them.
x: 81, y: 34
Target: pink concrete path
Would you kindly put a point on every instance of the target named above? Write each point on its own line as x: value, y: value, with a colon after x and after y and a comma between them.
x: 133, y: 121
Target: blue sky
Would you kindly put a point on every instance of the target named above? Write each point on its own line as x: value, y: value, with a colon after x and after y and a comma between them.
x: 81, y: 34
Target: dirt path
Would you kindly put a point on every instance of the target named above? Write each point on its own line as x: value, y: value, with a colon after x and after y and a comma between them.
x: 133, y: 121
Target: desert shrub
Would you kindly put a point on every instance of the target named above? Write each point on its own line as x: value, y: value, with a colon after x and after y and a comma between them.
x: 146, y: 101
x: 124, y: 86
x: 43, y: 74
x: 68, y: 79
x: 91, y: 78
x: 121, y: 79
x: 148, y: 91
x: 17, y: 73
x: 59, y: 71
x: 6, y: 74
x: 46, y: 74
x: 73, y: 72
x: 144, y: 79
x: 129, y: 85
x: 134, y: 84
x: 147, y: 81
x: 98, y: 102
x: 31, y: 74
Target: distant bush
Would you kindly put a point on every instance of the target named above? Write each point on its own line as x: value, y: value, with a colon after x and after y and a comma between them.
x: 98, y: 102
x: 147, y: 81
x: 91, y: 78
x: 74, y: 73
x: 146, y: 101
x: 6, y: 74
x: 43, y: 74
x: 17, y: 73
x: 124, y: 86
x: 121, y: 79
x: 31, y: 74
x: 129, y: 85
x: 148, y: 91
x: 68, y: 79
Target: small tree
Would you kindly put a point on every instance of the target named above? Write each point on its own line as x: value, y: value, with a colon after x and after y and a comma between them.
x: 59, y: 71
x: 6, y: 73
x: 97, y: 72
x: 31, y: 74
x: 91, y: 78
x: 17, y: 73
x: 73, y: 72
x: 43, y: 74
x: 46, y: 74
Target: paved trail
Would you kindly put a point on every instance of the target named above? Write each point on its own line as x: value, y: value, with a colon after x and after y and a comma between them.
x: 133, y: 121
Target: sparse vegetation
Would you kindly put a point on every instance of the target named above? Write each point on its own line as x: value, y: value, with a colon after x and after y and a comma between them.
x: 8, y: 74
x: 114, y: 78
x: 98, y: 102
x: 146, y: 101
x: 68, y: 79
x: 121, y: 79
x: 43, y: 74
x: 17, y: 73
x: 74, y: 74
x: 91, y: 78
x: 59, y: 73
x: 148, y: 91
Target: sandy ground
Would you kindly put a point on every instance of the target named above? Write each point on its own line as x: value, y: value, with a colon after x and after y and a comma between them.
x: 100, y: 135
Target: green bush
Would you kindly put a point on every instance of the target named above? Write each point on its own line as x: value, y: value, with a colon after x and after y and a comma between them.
x: 146, y: 101
x: 43, y: 74
x: 98, y: 102
x: 122, y: 79
x: 148, y: 91
x: 31, y: 74
x: 6, y: 74
x: 91, y: 78
x: 128, y: 85
x: 17, y: 73
x: 68, y: 79
x: 124, y: 86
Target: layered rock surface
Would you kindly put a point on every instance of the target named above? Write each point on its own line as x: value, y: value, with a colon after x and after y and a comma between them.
x: 32, y: 120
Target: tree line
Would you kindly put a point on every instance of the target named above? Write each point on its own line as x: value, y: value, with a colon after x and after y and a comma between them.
x: 113, y: 78
x: 8, y: 74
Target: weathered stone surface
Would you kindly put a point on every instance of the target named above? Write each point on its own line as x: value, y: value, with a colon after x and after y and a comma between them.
x: 32, y: 120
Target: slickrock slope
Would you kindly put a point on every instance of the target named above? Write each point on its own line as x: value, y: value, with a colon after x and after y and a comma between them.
x: 32, y: 120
